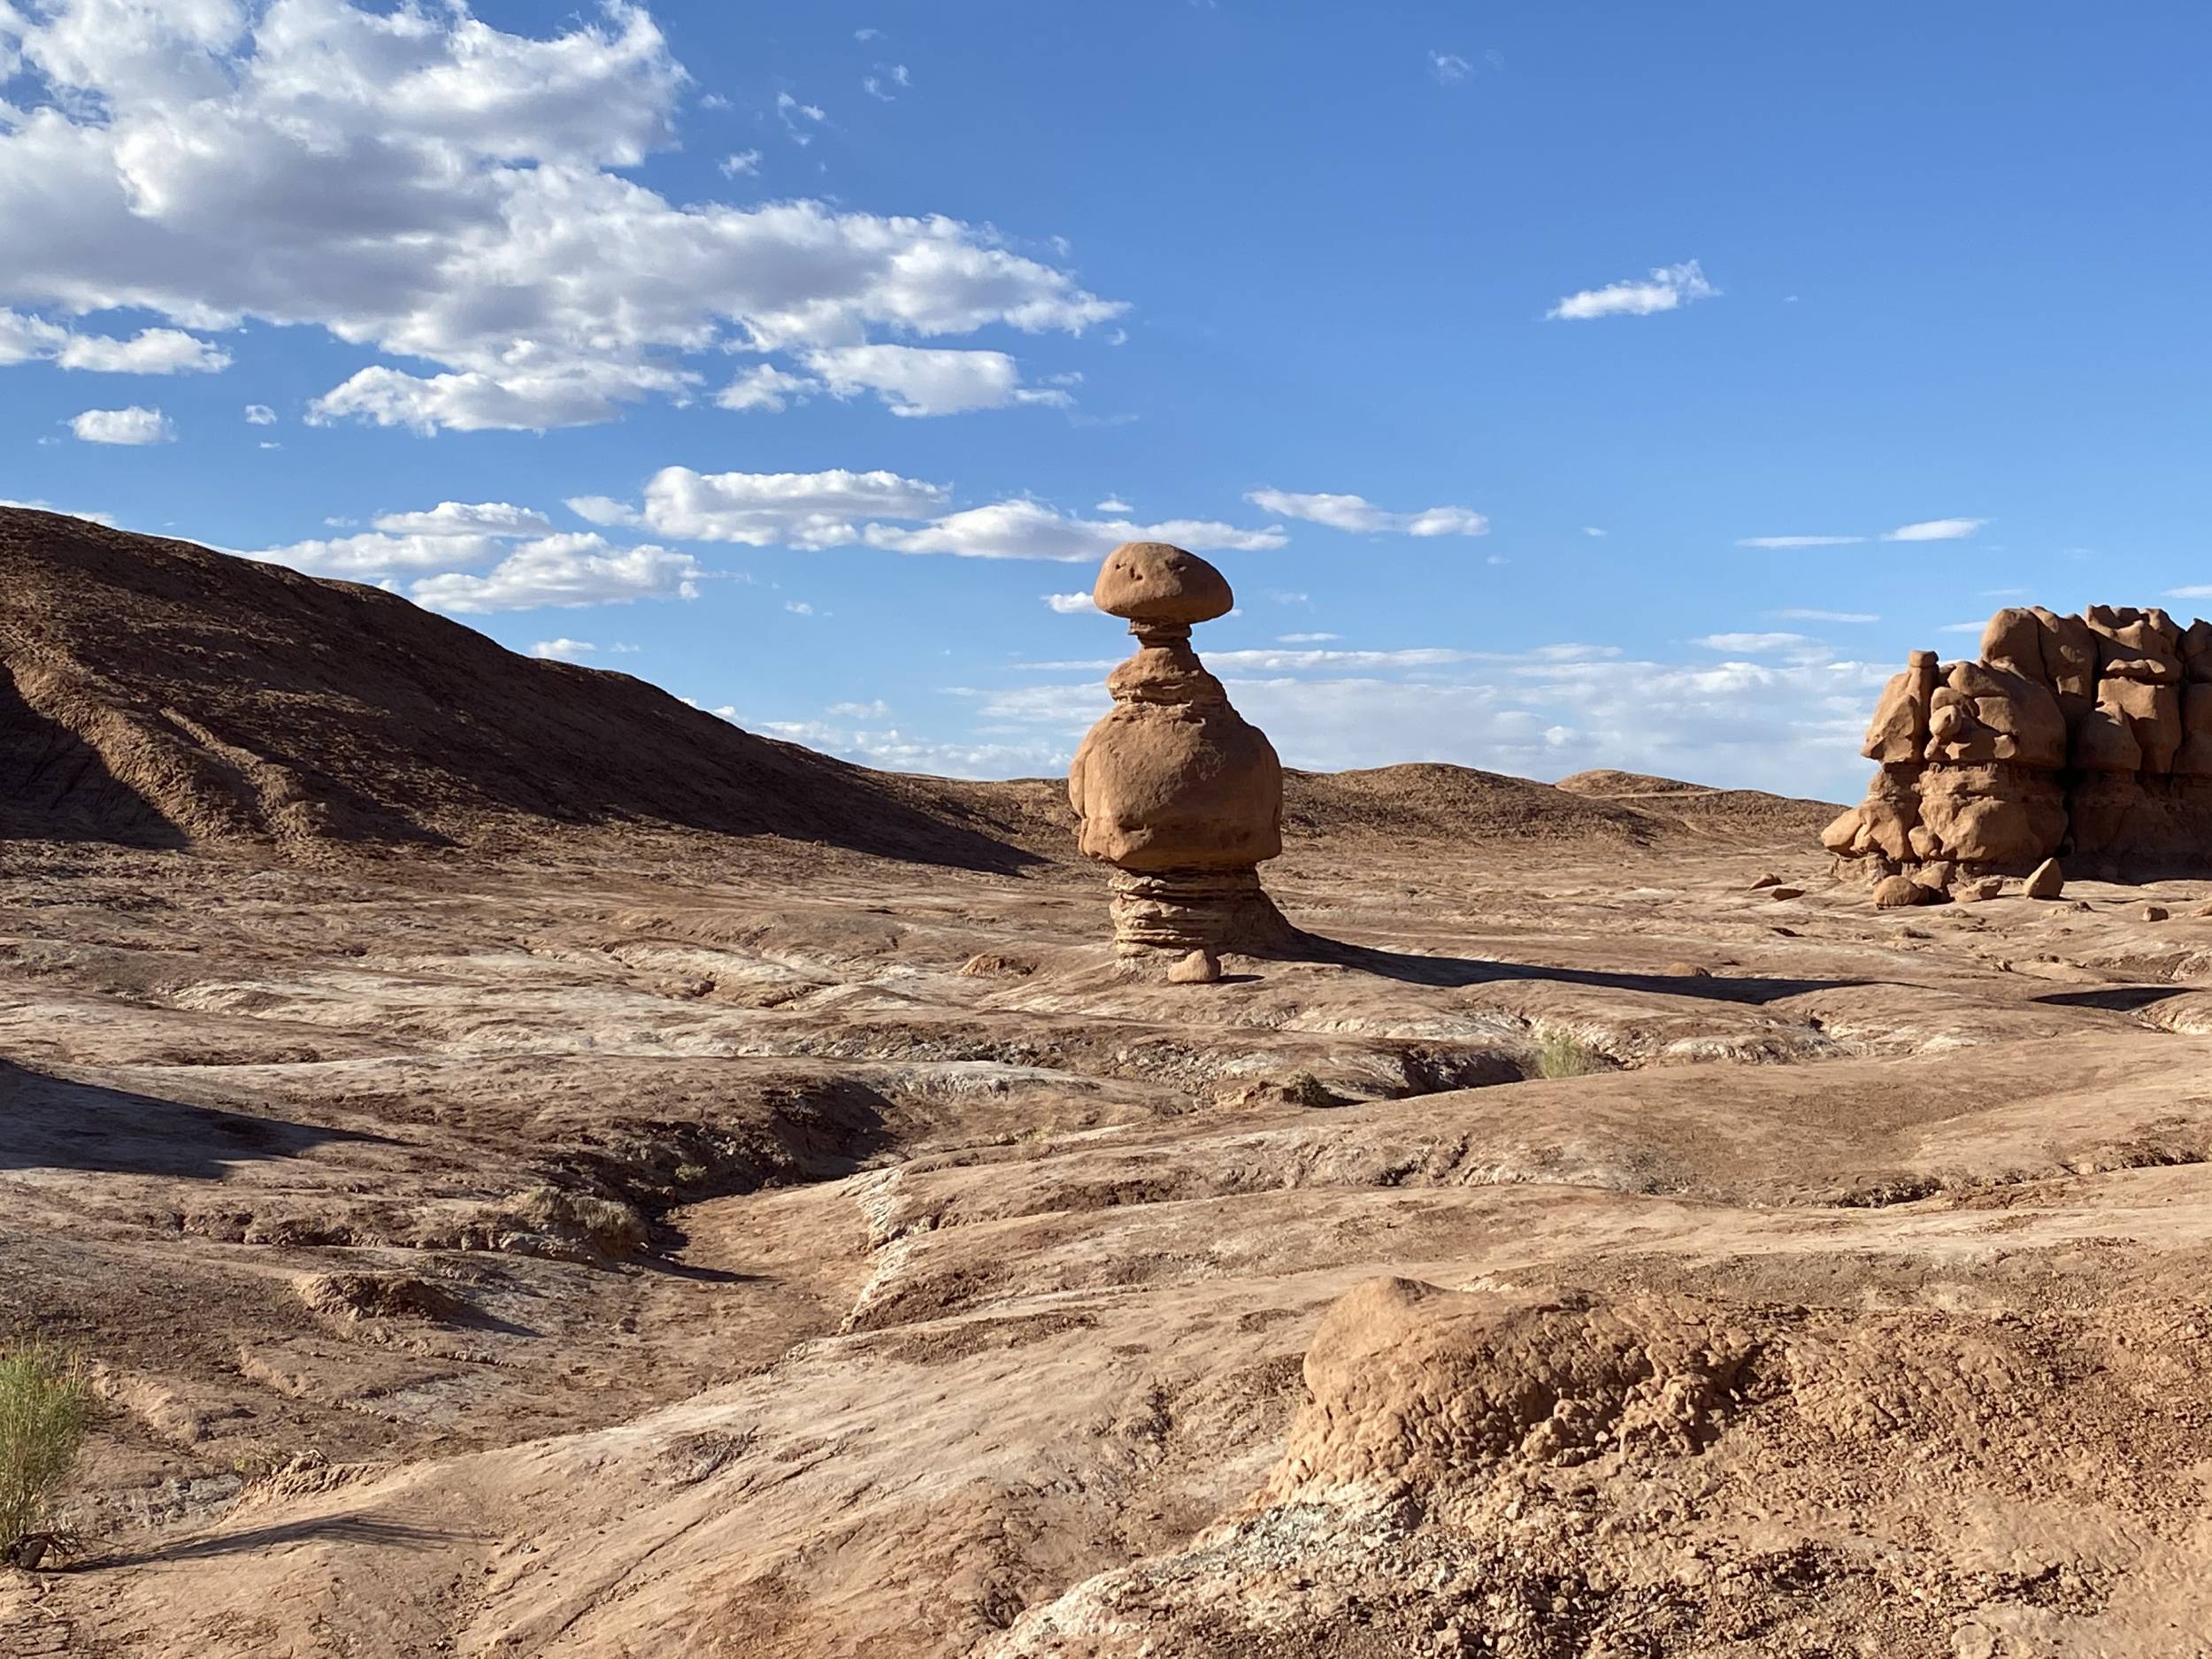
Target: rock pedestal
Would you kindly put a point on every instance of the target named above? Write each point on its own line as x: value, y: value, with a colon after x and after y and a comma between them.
x: 2086, y: 735
x: 1173, y: 787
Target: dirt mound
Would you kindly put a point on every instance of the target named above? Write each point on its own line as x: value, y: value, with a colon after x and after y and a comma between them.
x: 1518, y: 1473
x: 1605, y: 781
x: 1427, y: 801
x: 158, y: 694
x: 1737, y: 814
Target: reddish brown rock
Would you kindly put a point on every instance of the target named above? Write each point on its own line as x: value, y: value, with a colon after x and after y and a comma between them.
x: 1173, y: 786
x: 1897, y: 893
x: 2086, y: 735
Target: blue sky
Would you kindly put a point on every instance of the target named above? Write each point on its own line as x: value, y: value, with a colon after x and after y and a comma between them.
x: 1525, y: 365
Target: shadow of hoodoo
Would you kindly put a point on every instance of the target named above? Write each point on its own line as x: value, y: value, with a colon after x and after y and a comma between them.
x: 52, y: 1123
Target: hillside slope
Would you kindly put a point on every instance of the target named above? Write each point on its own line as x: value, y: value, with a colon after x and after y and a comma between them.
x: 158, y: 694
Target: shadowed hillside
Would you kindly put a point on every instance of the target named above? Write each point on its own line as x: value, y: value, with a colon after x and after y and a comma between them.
x: 155, y: 693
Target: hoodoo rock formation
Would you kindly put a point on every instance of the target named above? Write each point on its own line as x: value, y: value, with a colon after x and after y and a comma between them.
x: 1173, y: 787
x: 2087, y: 736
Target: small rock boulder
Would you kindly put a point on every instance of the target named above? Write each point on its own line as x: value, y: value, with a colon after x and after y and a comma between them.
x: 1895, y: 893
x: 1201, y: 967
x: 2047, y: 880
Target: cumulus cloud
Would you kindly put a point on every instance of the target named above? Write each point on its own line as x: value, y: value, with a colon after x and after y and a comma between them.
x: 260, y: 415
x: 744, y: 163
x: 417, y: 182
x: 1356, y: 513
x: 1935, y: 530
x: 1306, y: 638
x: 1668, y: 288
x: 368, y: 558
x: 133, y: 426
x: 566, y: 571
x: 1032, y: 530
x: 1070, y: 604
x: 1113, y: 504
x: 456, y: 518
x: 764, y: 387
x: 603, y: 510
x: 563, y: 650
x: 805, y: 510
x: 925, y: 380
x: 1449, y: 67
x: 25, y: 339
x: 477, y: 557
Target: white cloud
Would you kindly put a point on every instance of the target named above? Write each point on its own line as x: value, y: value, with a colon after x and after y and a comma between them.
x: 1355, y: 513
x: 1115, y: 504
x: 1667, y: 288
x: 603, y: 510
x: 1030, y: 530
x: 796, y: 118
x: 1306, y: 638
x: 923, y: 381
x: 563, y: 650
x: 418, y: 182
x: 805, y: 510
x: 464, y: 518
x: 132, y: 425
x: 1449, y: 67
x: 1756, y: 645
x: 798, y: 607
x: 566, y: 571
x: 1591, y: 529
x: 260, y: 415
x: 1071, y: 604
x: 1800, y: 540
x: 24, y: 338
x: 742, y: 165
x: 367, y: 556
x: 1963, y: 627
x: 1798, y: 614
x: 764, y: 387
x: 149, y: 351
x: 1935, y: 530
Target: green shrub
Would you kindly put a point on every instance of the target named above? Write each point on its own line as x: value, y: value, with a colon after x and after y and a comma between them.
x: 1563, y: 1054
x: 45, y: 1410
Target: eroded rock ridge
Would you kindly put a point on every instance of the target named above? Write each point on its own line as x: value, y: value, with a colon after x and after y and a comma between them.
x: 2087, y: 737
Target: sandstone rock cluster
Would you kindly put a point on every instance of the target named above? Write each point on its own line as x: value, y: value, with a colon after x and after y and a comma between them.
x: 2082, y: 736
x: 1173, y: 787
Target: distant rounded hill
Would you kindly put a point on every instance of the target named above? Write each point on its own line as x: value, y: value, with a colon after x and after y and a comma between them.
x: 157, y: 693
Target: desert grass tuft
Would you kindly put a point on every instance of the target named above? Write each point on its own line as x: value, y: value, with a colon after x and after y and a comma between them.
x: 45, y: 1413
x: 1562, y: 1053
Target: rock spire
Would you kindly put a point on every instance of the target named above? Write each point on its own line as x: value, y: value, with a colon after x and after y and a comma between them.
x: 1173, y: 787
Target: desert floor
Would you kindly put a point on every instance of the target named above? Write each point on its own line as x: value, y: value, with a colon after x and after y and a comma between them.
x: 728, y: 1249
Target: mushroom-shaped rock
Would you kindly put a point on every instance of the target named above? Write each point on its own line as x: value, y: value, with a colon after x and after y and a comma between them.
x: 1155, y: 584
x: 1173, y: 786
